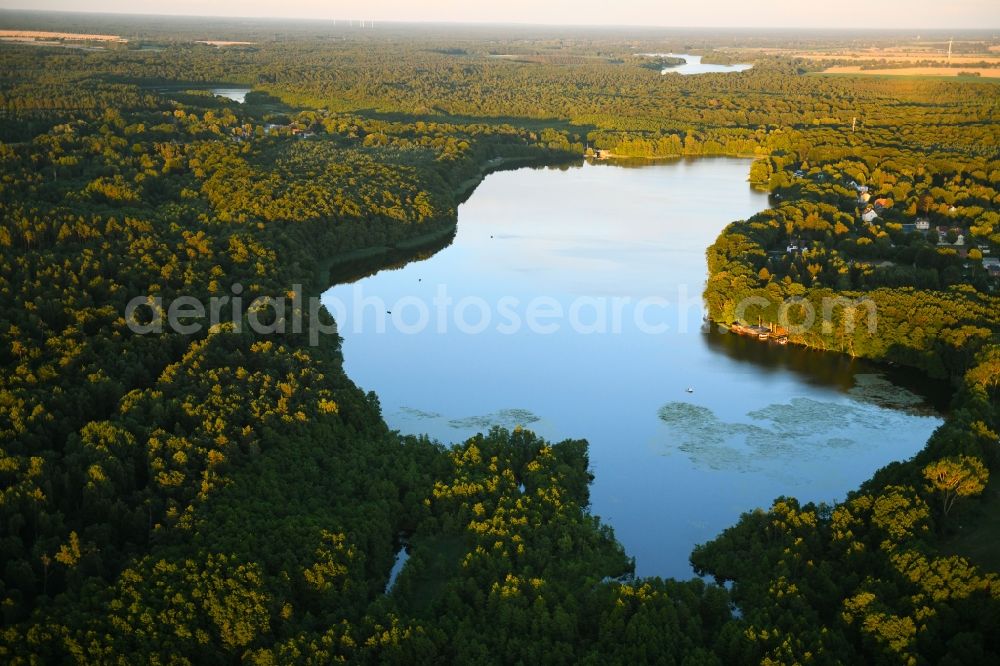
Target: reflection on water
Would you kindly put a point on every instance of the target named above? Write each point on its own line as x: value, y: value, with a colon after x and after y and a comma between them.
x: 891, y: 387
x: 672, y: 468
x: 877, y: 389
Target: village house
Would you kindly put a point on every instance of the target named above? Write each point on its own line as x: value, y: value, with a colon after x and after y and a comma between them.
x: 869, y: 215
x: 922, y: 224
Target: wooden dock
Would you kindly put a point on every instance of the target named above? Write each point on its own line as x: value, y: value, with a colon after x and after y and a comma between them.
x: 771, y: 332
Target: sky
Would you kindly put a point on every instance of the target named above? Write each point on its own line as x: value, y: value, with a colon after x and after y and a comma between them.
x: 883, y: 14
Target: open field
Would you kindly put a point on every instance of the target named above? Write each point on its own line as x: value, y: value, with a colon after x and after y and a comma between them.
x: 904, y: 57
x: 927, y: 59
x: 984, y: 72
x: 936, y: 52
x: 220, y: 43
x: 893, y: 55
x: 44, y: 34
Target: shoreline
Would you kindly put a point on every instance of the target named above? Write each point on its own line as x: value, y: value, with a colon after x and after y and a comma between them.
x: 427, y: 239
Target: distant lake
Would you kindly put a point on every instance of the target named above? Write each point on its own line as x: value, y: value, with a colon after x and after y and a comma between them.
x: 695, y: 66
x: 236, y: 94
x: 672, y: 468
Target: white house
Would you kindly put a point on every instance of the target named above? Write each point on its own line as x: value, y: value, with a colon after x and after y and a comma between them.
x: 923, y: 225
x: 869, y: 215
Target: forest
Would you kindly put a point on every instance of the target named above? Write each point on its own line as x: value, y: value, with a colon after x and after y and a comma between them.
x: 230, y: 497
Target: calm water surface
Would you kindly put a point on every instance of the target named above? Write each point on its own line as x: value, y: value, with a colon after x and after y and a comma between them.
x: 236, y: 94
x: 694, y: 65
x: 672, y: 468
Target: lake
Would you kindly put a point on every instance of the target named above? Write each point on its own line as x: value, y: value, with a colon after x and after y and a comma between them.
x: 694, y: 65
x: 238, y: 95
x: 570, y: 303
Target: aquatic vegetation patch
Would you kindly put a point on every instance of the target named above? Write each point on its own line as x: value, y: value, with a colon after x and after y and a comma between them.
x: 709, y: 440
x: 875, y: 389
x: 419, y: 413
x: 506, y: 418
x: 799, y: 430
x: 804, y: 417
x: 840, y: 443
x: 518, y: 416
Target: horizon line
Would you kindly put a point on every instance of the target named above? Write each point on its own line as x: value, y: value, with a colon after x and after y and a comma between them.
x: 512, y: 23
